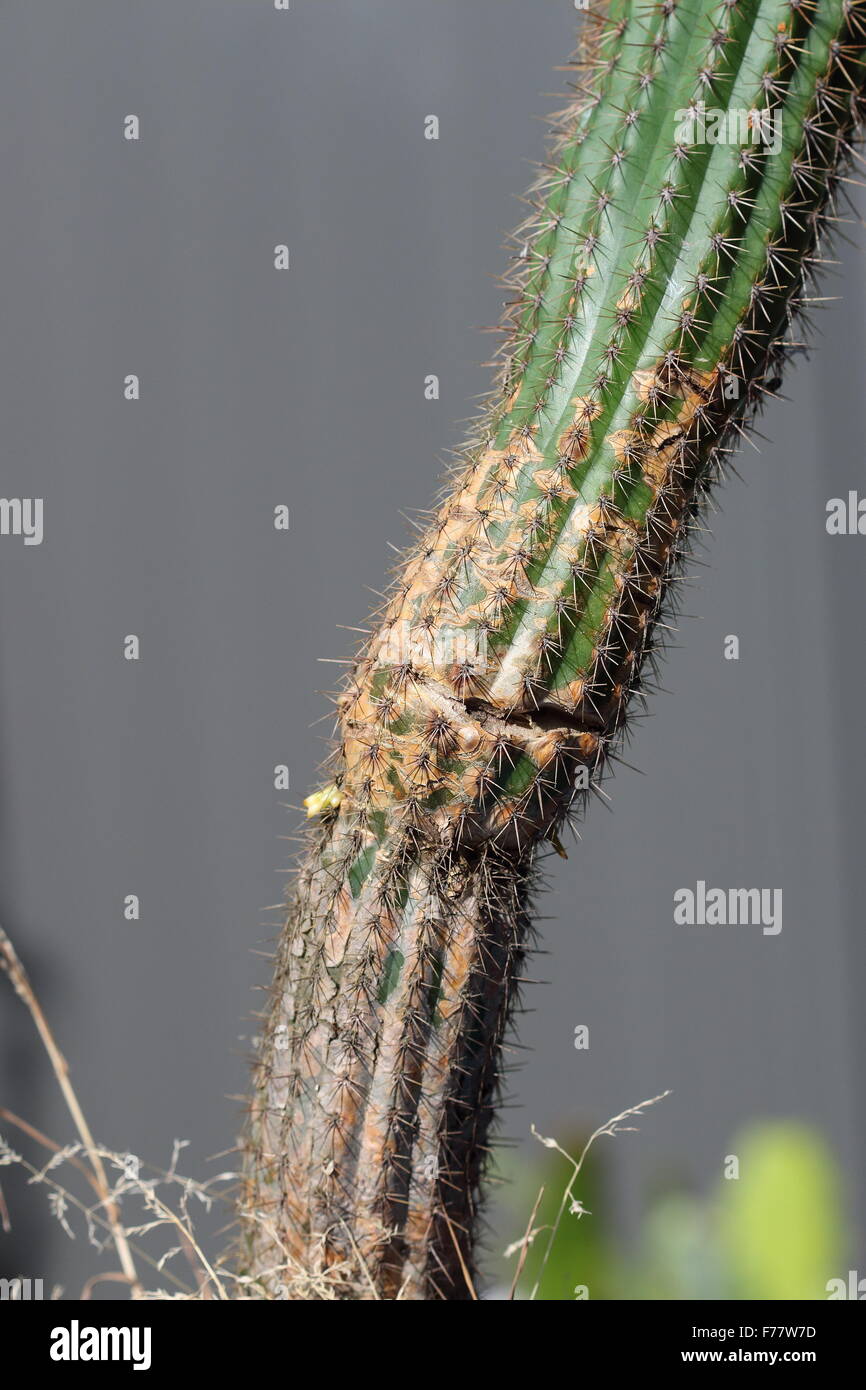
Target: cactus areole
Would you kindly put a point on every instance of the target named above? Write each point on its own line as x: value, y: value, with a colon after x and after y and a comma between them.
x: 673, y: 243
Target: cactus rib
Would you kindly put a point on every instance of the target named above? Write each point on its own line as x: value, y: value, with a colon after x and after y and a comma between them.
x: 656, y: 288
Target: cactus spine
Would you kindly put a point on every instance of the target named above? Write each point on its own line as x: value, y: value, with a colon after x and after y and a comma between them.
x: 656, y: 286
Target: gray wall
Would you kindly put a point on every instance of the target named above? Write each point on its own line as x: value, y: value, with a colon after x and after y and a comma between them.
x: 306, y: 387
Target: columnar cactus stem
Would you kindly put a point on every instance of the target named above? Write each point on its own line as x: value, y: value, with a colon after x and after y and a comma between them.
x: 657, y: 284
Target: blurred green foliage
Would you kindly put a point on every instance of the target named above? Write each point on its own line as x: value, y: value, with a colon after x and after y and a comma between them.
x: 773, y: 1229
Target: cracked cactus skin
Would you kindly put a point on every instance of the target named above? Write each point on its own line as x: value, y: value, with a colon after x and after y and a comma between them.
x: 656, y: 288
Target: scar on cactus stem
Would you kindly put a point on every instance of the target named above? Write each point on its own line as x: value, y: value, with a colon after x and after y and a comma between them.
x: 654, y: 291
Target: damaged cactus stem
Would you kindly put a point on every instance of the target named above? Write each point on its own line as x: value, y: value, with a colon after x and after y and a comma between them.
x: 655, y: 291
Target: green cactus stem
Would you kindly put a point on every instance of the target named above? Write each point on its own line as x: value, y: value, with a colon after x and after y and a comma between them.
x: 673, y: 243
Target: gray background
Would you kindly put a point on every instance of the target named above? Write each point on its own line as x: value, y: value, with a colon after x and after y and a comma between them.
x: 306, y: 388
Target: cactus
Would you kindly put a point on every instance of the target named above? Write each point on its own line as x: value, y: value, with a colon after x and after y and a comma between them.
x: 674, y: 237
